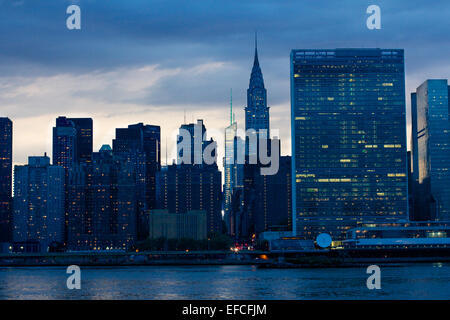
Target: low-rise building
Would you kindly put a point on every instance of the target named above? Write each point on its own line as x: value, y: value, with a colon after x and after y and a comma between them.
x: 403, y: 235
x: 189, y: 225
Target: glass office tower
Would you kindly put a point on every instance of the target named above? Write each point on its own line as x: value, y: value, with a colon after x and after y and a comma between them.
x: 229, y: 166
x: 431, y: 138
x: 348, y: 139
x: 84, y: 127
x: 233, y: 166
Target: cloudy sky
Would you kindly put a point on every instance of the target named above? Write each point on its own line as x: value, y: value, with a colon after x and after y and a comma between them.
x: 152, y: 61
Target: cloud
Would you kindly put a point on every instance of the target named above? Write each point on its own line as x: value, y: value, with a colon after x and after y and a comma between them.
x: 114, y: 98
x: 114, y: 91
x: 149, y: 61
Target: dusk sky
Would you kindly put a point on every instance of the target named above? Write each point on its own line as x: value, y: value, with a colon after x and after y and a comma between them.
x: 149, y: 61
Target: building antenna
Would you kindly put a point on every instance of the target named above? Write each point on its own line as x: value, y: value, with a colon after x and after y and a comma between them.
x: 184, y: 116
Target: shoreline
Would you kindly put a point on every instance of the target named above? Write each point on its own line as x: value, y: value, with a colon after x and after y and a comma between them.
x: 261, y: 259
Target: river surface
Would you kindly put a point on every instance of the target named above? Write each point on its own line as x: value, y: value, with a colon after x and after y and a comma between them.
x: 410, y: 281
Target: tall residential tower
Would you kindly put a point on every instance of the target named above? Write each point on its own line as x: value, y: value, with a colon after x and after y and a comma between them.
x: 39, y: 203
x: 6, y: 127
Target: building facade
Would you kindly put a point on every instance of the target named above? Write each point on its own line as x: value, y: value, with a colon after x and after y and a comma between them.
x: 273, y: 199
x: 348, y: 139
x: 190, y: 225
x: 430, y: 110
x: 257, y: 111
x: 233, y: 165
x: 39, y: 203
x: 84, y: 139
x: 192, y: 145
x: 72, y: 146
x: 141, y: 145
x: 72, y: 141
x: 103, y: 206
x: 6, y: 139
x: 263, y: 202
x: 65, y: 149
x: 183, y: 188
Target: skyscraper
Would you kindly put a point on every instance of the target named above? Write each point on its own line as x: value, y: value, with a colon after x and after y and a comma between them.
x: 348, y: 139
x: 102, y: 212
x: 273, y: 199
x: 79, y: 217
x: 141, y: 145
x: 84, y: 139
x: 234, y: 174
x: 228, y: 164
x: 414, y: 146
x: 257, y: 119
x: 72, y: 141
x: 72, y: 146
x: 192, y: 183
x: 256, y: 111
x: 415, y: 213
x: 262, y: 203
x: 233, y: 169
x: 183, y: 188
x: 192, y: 150
x: 266, y: 200
x: 6, y: 134
x: 39, y: 202
x: 430, y: 110
x: 64, y: 143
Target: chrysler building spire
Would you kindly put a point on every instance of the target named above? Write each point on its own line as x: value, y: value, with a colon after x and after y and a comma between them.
x: 257, y: 112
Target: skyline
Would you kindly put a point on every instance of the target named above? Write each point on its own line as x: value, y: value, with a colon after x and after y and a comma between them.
x: 129, y: 76
x: 234, y: 151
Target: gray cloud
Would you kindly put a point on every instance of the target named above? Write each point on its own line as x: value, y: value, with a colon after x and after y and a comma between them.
x: 158, y: 58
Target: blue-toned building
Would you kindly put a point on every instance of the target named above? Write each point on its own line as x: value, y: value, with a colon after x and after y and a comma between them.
x: 39, y: 203
x: 264, y: 201
x: 72, y: 141
x: 84, y: 142
x: 140, y: 145
x: 183, y: 188
x: 6, y: 136
x: 233, y: 166
x: 72, y: 147
x: 103, y: 206
x: 64, y: 143
x: 431, y: 150
x: 233, y: 175
x: 348, y: 139
x: 273, y: 199
x: 192, y: 145
x: 192, y: 183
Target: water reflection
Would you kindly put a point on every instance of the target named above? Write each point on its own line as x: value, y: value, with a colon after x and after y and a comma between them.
x: 421, y: 281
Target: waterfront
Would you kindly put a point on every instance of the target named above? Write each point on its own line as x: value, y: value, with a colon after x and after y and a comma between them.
x: 409, y: 281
